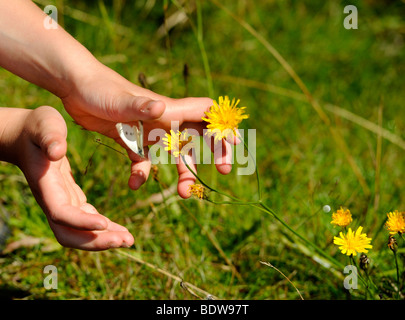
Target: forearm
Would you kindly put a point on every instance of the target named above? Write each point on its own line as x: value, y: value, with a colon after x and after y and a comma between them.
x: 49, y: 58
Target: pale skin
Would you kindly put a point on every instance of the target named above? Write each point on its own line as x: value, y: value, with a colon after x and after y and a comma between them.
x: 97, y: 98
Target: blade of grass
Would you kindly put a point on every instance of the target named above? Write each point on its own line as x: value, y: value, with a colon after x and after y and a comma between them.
x: 211, y: 237
x: 164, y: 272
x: 341, y: 112
x: 198, y: 32
x: 263, y: 207
x: 371, y: 126
x: 85, y: 17
x: 271, y: 266
x: 377, y: 181
x: 200, y: 41
x: 261, y: 86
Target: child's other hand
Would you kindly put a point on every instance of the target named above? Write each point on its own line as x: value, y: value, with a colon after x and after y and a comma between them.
x: 42, y: 158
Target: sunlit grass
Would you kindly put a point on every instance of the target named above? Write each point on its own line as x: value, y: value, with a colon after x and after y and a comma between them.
x: 354, y: 76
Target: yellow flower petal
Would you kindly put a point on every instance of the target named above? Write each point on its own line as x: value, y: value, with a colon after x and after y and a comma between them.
x: 176, y: 142
x: 396, y: 222
x: 342, y: 217
x: 353, y: 242
x: 224, y: 117
x: 198, y: 190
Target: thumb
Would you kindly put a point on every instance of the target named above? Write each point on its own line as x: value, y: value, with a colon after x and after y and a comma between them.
x: 130, y: 107
x: 49, y: 132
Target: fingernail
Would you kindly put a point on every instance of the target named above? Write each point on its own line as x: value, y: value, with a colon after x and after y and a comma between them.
x: 153, y: 109
x: 99, y: 227
x: 147, y: 107
x: 52, y: 146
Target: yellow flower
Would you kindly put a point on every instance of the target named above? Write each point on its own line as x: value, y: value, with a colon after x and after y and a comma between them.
x: 198, y: 190
x: 224, y: 118
x: 342, y: 217
x: 396, y: 222
x: 176, y: 142
x: 353, y: 242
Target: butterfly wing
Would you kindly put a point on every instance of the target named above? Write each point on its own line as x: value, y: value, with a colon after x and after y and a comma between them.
x: 132, y: 137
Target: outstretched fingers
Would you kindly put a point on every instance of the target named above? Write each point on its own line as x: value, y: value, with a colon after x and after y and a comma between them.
x: 62, y: 199
x: 114, y: 236
x: 75, y: 222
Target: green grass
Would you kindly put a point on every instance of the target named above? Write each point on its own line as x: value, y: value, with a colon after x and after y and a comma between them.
x: 302, y: 165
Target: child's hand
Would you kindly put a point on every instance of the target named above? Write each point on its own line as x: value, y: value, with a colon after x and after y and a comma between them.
x: 41, y: 157
x: 102, y: 98
x: 94, y: 95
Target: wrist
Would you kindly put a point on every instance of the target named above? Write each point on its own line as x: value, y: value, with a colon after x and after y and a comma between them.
x: 67, y: 62
x: 77, y: 64
x: 81, y: 70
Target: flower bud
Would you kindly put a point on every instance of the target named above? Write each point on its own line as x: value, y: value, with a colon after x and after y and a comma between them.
x: 199, y: 191
x: 392, y: 243
x: 364, y: 262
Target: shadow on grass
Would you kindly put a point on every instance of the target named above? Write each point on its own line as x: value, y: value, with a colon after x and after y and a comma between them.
x: 8, y: 292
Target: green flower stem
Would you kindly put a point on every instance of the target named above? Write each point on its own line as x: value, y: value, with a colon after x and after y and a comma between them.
x: 396, y: 263
x: 265, y: 208
x: 259, y: 189
x: 206, y: 185
x: 232, y: 202
x: 261, y: 206
x: 369, y: 280
x: 366, y: 284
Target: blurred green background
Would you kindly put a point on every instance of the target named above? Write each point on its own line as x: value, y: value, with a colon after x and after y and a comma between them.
x: 305, y: 160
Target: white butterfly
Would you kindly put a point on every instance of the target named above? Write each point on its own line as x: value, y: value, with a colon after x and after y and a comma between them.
x: 132, y: 137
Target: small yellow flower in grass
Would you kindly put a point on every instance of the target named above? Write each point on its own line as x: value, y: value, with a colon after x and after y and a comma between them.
x: 342, y: 217
x: 353, y: 242
x: 198, y: 190
x: 224, y: 118
x: 396, y: 222
x: 177, y: 142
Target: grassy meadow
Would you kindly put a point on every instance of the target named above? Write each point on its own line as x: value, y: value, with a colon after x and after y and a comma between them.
x: 327, y: 104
